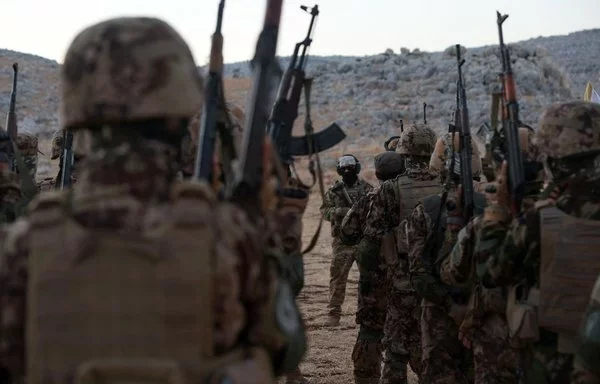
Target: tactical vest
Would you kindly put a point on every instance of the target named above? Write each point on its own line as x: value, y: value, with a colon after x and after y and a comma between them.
x: 414, y: 191
x: 570, y: 264
x: 104, y: 307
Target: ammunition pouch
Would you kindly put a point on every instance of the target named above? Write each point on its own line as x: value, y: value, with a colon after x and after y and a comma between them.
x: 521, y: 315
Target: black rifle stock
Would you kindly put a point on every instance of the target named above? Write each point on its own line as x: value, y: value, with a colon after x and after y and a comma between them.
x: 285, y: 109
x: 266, y: 70
x: 11, y: 119
x: 510, y: 124
x: 204, y: 169
x: 466, y: 145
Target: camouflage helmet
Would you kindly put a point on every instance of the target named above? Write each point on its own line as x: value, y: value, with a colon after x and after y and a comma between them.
x: 569, y: 128
x: 417, y: 140
x: 128, y: 69
x: 388, y: 165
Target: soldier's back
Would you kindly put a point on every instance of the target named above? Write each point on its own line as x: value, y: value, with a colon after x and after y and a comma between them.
x: 115, y: 284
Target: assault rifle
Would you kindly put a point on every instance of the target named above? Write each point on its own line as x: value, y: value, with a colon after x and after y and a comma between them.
x: 68, y: 158
x: 214, y: 101
x: 510, y: 125
x: 285, y: 110
x: 466, y: 146
x: 249, y: 181
x: 11, y: 121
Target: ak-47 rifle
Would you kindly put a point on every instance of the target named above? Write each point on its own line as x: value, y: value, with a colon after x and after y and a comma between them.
x: 466, y: 145
x: 68, y: 159
x: 214, y: 101
x: 510, y: 125
x: 249, y: 181
x: 285, y: 110
x: 11, y: 120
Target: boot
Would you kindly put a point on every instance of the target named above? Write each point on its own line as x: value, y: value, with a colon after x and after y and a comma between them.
x: 332, y: 321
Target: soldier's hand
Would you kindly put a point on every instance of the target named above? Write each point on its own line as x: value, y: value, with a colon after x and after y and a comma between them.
x: 502, y: 194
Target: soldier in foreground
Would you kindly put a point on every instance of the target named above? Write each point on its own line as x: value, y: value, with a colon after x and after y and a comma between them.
x: 154, y: 278
x: 372, y: 295
x: 338, y: 201
x: 548, y: 256
x: 485, y: 329
x: 389, y: 210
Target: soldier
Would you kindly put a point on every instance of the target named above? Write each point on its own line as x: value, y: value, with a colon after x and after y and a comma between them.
x: 547, y: 256
x: 57, y: 144
x: 389, y: 210
x: 485, y: 329
x: 153, y: 278
x: 338, y: 201
x: 372, y: 295
x: 444, y: 154
x: 444, y: 359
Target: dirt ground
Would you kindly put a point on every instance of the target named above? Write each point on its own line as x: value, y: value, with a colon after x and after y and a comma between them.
x: 328, y: 360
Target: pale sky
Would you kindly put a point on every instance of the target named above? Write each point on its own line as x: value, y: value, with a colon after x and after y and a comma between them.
x: 344, y: 27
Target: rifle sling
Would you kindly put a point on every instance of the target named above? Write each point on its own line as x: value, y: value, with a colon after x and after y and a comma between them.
x: 314, y: 159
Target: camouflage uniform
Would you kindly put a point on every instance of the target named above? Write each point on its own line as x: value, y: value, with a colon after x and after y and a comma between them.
x: 338, y: 201
x: 568, y: 140
x: 372, y: 292
x: 387, y: 217
x: 485, y: 327
x: 127, y: 191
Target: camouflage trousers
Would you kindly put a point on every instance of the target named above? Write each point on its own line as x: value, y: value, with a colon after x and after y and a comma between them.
x: 445, y: 360
x: 366, y: 355
x: 402, y: 337
x: 495, y: 361
x: 341, y: 263
x: 581, y: 375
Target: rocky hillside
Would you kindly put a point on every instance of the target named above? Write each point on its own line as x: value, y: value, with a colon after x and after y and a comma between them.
x: 368, y: 95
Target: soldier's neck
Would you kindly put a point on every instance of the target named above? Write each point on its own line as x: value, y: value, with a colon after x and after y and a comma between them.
x: 145, y: 173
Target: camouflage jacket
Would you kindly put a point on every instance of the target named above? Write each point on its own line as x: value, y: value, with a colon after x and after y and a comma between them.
x: 338, y: 201
x: 248, y: 278
x: 372, y: 292
x: 419, y: 230
x: 352, y: 227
